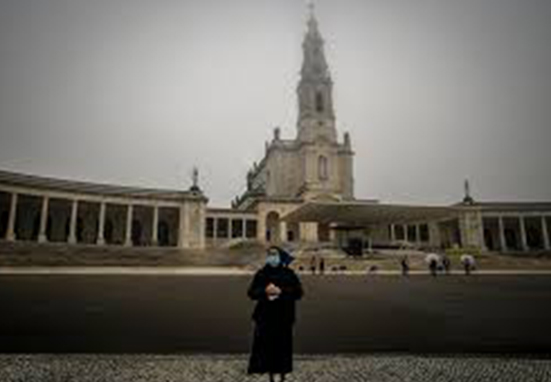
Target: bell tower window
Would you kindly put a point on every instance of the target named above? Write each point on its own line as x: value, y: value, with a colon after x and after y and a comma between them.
x: 319, y: 102
x: 322, y: 168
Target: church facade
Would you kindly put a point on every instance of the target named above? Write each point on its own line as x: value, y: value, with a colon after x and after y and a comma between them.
x: 300, y: 193
x: 316, y: 163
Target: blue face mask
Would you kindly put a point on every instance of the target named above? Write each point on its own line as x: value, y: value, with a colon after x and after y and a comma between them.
x: 273, y: 260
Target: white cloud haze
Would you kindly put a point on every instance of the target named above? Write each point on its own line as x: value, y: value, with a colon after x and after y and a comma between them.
x: 137, y: 92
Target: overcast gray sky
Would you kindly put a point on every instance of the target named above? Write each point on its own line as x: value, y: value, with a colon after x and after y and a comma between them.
x: 136, y: 92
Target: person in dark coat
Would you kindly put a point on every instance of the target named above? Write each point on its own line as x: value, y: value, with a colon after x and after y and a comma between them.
x: 446, y: 263
x: 433, y: 266
x: 275, y: 288
x: 405, y: 266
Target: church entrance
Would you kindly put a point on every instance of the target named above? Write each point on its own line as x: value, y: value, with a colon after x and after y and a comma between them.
x: 324, y: 232
x: 272, y: 227
x: 293, y: 232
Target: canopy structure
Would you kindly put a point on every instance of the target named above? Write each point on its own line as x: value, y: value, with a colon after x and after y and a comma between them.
x: 357, y: 213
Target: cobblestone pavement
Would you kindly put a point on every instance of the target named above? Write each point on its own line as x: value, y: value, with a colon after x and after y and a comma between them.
x: 195, y: 368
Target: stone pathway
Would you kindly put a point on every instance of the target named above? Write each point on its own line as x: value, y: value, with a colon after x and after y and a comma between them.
x: 196, y: 368
x: 225, y: 271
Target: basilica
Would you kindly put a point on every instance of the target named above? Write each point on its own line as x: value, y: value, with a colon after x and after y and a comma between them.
x: 301, y: 193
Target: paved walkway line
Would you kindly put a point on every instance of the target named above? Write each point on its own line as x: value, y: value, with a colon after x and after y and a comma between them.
x: 213, y: 271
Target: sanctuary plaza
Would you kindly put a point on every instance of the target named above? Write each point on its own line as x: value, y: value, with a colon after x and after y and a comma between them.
x: 300, y: 194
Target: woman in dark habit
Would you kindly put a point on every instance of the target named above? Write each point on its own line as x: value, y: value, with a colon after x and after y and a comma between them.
x: 275, y: 288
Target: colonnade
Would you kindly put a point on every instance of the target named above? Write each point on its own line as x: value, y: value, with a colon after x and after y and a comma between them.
x: 506, y: 223
x: 522, y: 230
x: 72, y: 237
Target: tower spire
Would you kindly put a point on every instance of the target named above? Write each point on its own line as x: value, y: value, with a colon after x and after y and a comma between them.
x: 311, y: 7
x: 315, y: 89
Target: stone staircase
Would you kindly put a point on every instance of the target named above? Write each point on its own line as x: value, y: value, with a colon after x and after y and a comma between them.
x: 62, y: 254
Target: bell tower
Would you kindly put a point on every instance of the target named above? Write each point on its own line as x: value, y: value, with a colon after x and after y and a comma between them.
x: 316, y: 117
x: 316, y: 165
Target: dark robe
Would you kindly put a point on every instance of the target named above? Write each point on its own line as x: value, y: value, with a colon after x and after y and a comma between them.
x: 272, y: 349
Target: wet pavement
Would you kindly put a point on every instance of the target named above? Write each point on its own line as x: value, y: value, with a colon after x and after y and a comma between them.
x: 340, y: 314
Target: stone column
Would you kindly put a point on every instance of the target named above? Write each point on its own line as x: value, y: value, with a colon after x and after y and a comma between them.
x: 481, y: 237
x: 154, y: 230
x: 43, y: 220
x: 184, y: 228
x: 392, y: 234
x: 202, y: 225
x: 73, y: 223
x: 215, y: 228
x: 261, y: 228
x: 244, y: 231
x: 435, y: 237
x: 283, y: 232
x: 406, y: 233
x: 129, y: 213
x: 10, y: 233
x: 544, y: 228
x: 523, y: 234
x: 332, y: 235
x: 418, y: 234
x: 502, y: 241
x: 101, y: 225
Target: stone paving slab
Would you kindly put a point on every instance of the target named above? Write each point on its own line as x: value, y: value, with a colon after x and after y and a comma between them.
x: 194, y: 368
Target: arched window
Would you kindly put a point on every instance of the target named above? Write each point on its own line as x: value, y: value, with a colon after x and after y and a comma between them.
x: 322, y: 168
x: 319, y: 102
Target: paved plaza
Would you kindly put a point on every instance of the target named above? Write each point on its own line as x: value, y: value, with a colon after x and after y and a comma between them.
x: 177, y: 327
x: 339, y: 314
x: 220, y: 368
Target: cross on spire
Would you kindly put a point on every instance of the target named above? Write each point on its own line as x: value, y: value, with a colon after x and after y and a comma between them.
x: 312, y: 8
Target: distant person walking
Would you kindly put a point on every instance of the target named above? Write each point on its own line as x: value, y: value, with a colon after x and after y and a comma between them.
x: 404, y: 263
x: 433, y: 267
x: 275, y: 288
x: 432, y: 260
x: 322, y: 265
x: 446, y: 264
x: 313, y: 264
x: 469, y: 264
